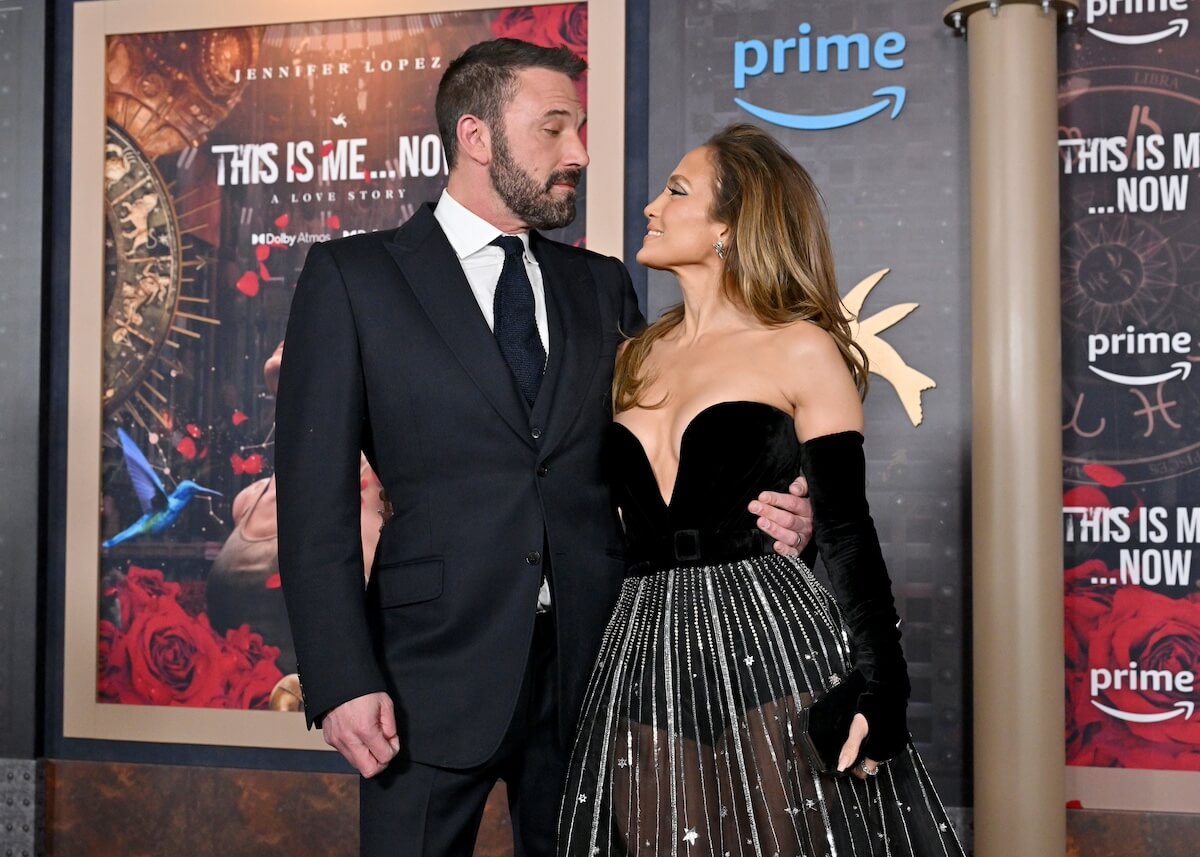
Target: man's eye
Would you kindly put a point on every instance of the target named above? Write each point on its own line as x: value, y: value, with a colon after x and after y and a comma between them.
x: 553, y: 132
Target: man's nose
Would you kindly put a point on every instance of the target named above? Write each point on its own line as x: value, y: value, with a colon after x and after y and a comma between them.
x: 575, y: 155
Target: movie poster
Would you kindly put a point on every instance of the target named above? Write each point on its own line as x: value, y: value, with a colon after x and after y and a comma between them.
x: 227, y: 154
x: 1129, y: 146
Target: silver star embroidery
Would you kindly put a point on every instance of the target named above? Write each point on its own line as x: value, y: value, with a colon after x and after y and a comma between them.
x: 942, y: 827
x: 792, y: 811
x: 621, y: 763
x: 749, y: 660
x: 809, y: 803
x: 724, y: 812
x: 582, y: 797
x: 691, y: 836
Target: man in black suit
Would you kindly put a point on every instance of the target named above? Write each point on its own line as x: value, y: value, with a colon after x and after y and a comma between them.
x: 470, y: 358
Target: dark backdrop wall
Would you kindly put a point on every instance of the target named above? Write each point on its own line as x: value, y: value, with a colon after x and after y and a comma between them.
x: 894, y: 176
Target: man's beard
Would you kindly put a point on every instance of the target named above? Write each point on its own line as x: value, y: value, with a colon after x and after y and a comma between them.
x: 525, y: 197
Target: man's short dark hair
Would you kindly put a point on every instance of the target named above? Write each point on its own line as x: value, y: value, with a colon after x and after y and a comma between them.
x: 483, y: 80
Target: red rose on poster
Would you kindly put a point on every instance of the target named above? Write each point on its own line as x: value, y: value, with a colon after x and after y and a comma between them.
x: 1086, y: 604
x: 170, y: 658
x: 142, y: 588
x: 256, y: 673
x: 564, y: 25
x: 1160, y: 635
x: 161, y: 654
x: 109, y: 685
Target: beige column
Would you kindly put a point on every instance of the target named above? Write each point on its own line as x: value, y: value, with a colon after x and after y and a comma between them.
x: 1016, y: 467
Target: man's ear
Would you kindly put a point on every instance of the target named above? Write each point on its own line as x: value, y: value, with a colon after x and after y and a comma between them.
x: 474, y: 139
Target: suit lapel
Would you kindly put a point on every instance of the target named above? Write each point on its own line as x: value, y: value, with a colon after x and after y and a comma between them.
x: 573, y: 316
x: 435, y: 275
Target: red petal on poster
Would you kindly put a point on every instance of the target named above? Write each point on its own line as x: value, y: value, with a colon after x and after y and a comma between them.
x: 238, y: 418
x: 194, y: 430
x: 1074, y: 804
x: 247, y: 284
x: 263, y: 272
x: 297, y: 169
x: 261, y: 252
x: 168, y: 421
x: 204, y: 453
x: 334, y: 221
x: 281, y: 221
x: 366, y: 178
x: 1086, y: 495
x: 1107, y: 476
x: 273, y: 582
x: 251, y: 465
x: 186, y: 447
x: 326, y: 149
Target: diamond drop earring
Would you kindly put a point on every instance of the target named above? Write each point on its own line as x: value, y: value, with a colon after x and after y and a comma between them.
x: 720, y: 248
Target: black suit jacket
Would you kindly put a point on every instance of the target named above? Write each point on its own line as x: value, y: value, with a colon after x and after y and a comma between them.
x: 386, y: 351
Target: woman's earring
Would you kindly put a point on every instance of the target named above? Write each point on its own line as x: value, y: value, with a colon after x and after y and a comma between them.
x: 720, y: 248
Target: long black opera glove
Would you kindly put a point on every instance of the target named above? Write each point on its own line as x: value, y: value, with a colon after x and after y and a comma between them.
x: 845, y: 535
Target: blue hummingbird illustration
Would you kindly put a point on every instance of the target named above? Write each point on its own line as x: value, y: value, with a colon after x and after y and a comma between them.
x: 159, y: 509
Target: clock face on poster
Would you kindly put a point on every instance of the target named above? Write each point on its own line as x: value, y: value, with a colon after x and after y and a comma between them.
x: 1129, y: 146
x: 142, y: 279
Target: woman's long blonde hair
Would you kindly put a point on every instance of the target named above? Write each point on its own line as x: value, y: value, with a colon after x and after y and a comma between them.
x: 779, y: 263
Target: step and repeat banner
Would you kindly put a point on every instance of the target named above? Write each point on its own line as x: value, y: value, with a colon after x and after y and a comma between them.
x: 871, y: 98
x: 1129, y: 147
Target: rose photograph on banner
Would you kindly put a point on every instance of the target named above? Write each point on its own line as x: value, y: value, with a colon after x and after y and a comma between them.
x: 229, y: 151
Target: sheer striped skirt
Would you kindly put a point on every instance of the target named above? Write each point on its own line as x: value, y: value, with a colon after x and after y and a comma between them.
x: 688, y: 744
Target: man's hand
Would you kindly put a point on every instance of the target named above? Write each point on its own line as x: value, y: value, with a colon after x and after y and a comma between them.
x: 363, y: 730
x: 787, y: 518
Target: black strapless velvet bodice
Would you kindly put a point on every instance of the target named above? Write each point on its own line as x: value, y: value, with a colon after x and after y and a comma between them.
x: 730, y: 453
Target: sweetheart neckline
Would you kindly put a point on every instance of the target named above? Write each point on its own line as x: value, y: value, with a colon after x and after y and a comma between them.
x: 668, y: 501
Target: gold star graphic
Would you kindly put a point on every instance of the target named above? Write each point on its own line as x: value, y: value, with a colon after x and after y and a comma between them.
x: 884, y: 359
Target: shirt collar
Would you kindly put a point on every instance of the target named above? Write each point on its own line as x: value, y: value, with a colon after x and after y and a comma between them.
x: 467, y: 232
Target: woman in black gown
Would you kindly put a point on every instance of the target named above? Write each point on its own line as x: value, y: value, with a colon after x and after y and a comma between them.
x: 689, y: 741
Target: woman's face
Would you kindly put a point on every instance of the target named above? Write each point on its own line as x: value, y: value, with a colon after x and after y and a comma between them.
x: 679, y: 230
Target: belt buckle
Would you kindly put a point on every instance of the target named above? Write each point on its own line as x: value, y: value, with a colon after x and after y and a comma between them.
x: 687, y: 545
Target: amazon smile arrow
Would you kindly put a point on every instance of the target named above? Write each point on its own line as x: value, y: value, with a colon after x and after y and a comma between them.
x: 804, y: 122
x: 1178, y: 25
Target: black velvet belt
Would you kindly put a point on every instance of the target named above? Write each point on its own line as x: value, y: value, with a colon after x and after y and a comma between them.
x: 695, y: 547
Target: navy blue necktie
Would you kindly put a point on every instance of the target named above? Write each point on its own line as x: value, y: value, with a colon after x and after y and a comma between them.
x: 515, y: 327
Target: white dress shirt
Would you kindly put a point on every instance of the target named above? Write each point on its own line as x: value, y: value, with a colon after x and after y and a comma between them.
x: 471, y: 237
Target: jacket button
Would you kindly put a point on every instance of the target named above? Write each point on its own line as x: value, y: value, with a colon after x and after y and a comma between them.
x: 535, y: 432
x: 533, y: 557
x: 542, y: 470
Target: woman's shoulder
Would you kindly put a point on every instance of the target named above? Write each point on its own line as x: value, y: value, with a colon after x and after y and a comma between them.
x: 807, y: 340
